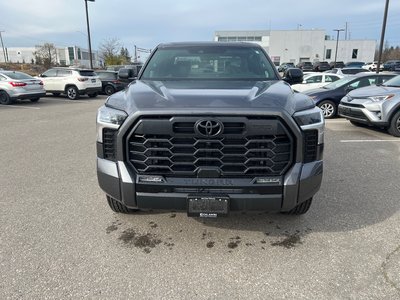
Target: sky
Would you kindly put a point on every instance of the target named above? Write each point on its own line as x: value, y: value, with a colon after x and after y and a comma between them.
x: 148, y: 23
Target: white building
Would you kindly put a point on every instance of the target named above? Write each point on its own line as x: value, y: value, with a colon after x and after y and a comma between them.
x: 302, y: 45
x: 65, y: 56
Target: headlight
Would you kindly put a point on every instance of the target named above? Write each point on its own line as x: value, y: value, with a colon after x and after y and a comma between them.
x: 109, y: 118
x: 311, y: 119
x: 381, y: 98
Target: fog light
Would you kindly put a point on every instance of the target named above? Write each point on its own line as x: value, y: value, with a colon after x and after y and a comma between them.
x: 152, y: 179
x: 268, y: 180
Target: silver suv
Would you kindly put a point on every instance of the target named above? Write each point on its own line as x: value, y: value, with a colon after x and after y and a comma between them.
x: 374, y: 105
x: 71, y: 81
x: 18, y: 85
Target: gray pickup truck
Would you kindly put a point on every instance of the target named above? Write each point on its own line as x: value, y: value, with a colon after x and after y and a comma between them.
x: 209, y: 128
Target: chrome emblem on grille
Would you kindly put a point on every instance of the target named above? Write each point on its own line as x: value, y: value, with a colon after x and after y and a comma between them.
x: 209, y: 127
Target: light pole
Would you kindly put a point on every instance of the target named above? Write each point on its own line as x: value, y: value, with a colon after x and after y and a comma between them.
x: 88, y: 31
x: 337, y: 43
x: 382, y: 36
x: 2, y: 45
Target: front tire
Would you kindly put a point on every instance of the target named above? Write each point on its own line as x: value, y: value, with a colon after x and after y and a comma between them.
x: 300, y: 209
x: 328, y: 109
x: 35, y: 99
x: 5, y: 98
x: 109, y: 90
x: 118, y: 207
x: 72, y: 93
x: 394, y: 127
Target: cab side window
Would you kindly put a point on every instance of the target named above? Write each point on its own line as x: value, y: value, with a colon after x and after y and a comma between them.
x: 314, y: 79
x: 50, y: 73
x: 63, y: 73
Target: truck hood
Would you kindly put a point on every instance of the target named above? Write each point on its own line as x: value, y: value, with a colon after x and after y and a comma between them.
x: 374, y: 90
x: 217, y: 95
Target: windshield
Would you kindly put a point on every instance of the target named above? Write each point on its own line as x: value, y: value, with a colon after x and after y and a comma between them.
x: 209, y: 62
x: 338, y: 83
x: 395, y: 81
x: 18, y: 75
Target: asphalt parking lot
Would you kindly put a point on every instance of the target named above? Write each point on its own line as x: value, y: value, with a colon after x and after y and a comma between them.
x: 60, y: 240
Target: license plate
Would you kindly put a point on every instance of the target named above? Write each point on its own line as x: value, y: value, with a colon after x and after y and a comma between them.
x: 93, y: 80
x: 207, y: 206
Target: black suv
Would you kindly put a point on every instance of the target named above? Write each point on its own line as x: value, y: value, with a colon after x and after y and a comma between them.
x: 305, y: 66
x: 110, y: 82
x: 321, y: 66
x: 209, y: 128
x: 337, y: 65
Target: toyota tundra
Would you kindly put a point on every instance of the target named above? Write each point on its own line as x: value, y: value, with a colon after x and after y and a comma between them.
x: 209, y: 128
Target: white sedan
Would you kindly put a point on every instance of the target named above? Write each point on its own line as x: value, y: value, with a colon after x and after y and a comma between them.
x: 314, y: 81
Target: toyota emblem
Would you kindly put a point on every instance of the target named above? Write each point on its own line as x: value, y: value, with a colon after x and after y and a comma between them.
x: 209, y: 127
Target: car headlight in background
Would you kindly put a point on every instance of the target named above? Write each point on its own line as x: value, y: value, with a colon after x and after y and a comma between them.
x: 381, y: 98
x: 311, y: 119
x: 108, y: 118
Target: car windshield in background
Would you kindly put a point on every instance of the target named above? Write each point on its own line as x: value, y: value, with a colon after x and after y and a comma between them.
x: 394, y: 82
x: 338, y: 83
x: 87, y: 73
x: 209, y: 62
x: 18, y: 75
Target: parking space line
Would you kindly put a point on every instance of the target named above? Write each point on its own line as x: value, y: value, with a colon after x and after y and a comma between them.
x: 368, y: 141
x: 20, y: 106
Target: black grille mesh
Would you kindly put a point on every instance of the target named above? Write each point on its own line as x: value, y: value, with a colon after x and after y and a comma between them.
x: 109, y: 143
x: 310, y: 145
x: 233, y: 154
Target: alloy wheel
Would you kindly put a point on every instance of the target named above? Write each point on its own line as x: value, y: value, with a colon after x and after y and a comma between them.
x: 327, y: 109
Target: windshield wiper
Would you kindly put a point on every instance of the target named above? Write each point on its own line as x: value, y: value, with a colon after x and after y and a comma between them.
x: 395, y: 86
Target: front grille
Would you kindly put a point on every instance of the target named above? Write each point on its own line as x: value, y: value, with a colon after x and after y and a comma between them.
x: 355, y: 113
x: 352, y: 104
x: 246, y: 148
x: 109, y: 143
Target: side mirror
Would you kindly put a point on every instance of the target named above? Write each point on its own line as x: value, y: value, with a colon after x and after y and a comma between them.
x: 349, y: 89
x: 293, y: 76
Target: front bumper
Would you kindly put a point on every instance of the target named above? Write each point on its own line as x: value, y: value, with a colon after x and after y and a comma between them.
x: 90, y: 90
x: 300, y: 183
x: 25, y: 95
x: 364, y: 111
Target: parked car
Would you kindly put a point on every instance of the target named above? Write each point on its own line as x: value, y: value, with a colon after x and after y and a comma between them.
x: 371, y: 66
x: 347, y: 71
x: 305, y: 66
x: 110, y: 82
x: 18, y: 85
x: 314, y: 81
x: 207, y: 131
x: 355, y: 64
x: 284, y: 66
x: 71, y: 81
x: 374, y: 105
x: 321, y: 66
x: 390, y: 65
x: 328, y: 97
x: 339, y: 64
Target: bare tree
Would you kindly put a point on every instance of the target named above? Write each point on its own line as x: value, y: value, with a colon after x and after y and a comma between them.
x: 46, y: 54
x: 110, y: 52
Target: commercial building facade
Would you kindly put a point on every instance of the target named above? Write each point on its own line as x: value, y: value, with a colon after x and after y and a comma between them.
x: 64, y: 56
x: 302, y: 45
